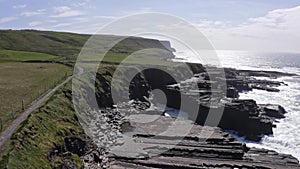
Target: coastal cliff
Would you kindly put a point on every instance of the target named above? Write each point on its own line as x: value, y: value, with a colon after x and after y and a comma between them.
x: 190, y: 150
x: 71, y: 147
x: 54, y: 137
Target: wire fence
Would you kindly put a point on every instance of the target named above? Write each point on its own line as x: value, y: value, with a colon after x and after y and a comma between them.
x: 27, y: 101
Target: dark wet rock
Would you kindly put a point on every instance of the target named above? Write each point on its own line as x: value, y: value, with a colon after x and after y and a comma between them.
x: 232, y: 92
x: 62, y: 156
x: 96, y: 158
x: 272, y: 110
x: 265, y: 87
x: 259, y: 73
x: 243, y: 116
x: 75, y: 145
x: 126, y: 126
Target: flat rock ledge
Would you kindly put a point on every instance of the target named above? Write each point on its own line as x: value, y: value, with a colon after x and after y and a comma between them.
x: 158, y: 145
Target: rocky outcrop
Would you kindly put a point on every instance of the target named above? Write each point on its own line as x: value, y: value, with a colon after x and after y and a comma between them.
x: 244, y: 116
x: 272, y: 110
x: 61, y: 156
x: 199, y: 147
x: 167, y: 45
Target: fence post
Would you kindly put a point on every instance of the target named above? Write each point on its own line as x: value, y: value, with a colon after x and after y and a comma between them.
x: 23, y: 106
x: 1, y: 125
x: 12, y: 113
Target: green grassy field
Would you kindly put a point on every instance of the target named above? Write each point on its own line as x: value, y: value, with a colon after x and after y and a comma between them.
x: 26, y: 81
x: 67, y: 46
x: 10, y: 56
x: 53, y: 43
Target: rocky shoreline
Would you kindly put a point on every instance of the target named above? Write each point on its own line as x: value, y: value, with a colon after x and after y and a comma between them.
x: 245, y: 117
x: 151, y: 147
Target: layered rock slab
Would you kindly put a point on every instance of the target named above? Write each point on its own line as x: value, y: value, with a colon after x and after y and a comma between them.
x: 156, y: 145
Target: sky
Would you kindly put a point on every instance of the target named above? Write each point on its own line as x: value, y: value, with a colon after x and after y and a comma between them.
x: 264, y: 25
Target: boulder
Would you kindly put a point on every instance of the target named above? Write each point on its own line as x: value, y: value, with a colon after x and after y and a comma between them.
x: 273, y: 110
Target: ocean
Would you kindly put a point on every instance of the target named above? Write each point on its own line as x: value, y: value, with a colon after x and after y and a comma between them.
x: 286, y: 137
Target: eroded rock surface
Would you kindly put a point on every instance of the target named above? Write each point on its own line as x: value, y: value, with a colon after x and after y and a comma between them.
x: 200, y: 147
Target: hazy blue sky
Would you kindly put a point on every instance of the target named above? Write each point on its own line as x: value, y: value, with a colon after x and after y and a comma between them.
x: 229, y: 24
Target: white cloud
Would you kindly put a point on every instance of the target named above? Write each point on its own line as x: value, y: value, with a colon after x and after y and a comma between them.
x: 33, y: 13
x: 132, y: 12
x: 52, y: 21
x: 7, y: 19
x: 80, y: 19
x: 62, y: 25
x: 81, y: 3
x: 106, y: 17
x: 277, y: 30
x: 34, y: 23
x: 19, y: 6
x: 65, y: 11
x: 61, y: 9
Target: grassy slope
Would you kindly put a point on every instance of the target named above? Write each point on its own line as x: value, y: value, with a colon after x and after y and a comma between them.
x: 45, y: 129
x: 54, y: 43
x: 68, y: 45
x: 26, y: 81
x: 12, y: 56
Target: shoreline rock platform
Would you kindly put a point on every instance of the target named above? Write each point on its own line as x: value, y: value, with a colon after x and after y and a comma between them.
x: 202, y: 146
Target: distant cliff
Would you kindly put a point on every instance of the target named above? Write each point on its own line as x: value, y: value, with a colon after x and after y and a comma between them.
x: 68, y: 45
x: 167, y: 44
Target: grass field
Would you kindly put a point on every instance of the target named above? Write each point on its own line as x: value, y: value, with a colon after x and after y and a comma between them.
x: 55, y: 43
x: 26, y: 81
x: 68, y: 45
x: 10, y: 55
